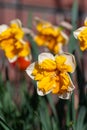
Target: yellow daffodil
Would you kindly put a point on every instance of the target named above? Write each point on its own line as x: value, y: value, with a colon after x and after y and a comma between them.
x: 51, y: 74
x: 50, y: 36
x: 12, y: 43
x: 81, y: 35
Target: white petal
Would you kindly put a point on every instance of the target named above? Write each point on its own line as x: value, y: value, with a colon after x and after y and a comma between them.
x: 13, y: 59
x: 60, y: 45
x: 16, y: 21
x: 71, y: 87
x: 37, y: 20
x: 65, y: 36
x: 76, y: 32
x: 22, y: 41
x: 41, y: 93
x: 3, y: 27
x: 66, y: 25
x: 30, y: 69
x: 65, y: 95
x: 44, y: 56
x: 70, y: 60
x: 28, y: 58
x: 28, y: 31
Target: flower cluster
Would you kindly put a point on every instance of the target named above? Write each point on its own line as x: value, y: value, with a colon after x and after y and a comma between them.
x: 51, y: 71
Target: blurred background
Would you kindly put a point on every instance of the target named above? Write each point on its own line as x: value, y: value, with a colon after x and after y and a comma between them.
x: 20, y: 106
x: 52, y: 10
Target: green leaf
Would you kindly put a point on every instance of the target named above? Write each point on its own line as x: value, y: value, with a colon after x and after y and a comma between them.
x: 4, y: 125
x: 81, y: 117
x: 34, y: 48
x: 53, y: 107
x: 85, y: 127
x: 44, y: 115
x: 68, y: 116
x: 54, y: 124
x: 74, y: 14
x: 73, y: 42
x: 73, y: 113
x: 30, y: 19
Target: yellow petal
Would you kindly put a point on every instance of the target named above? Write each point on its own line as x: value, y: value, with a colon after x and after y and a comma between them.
x: 48, y: 64
x: 40, y: 40
x: 64, y: 82
x: 85, y: 22
x: 62, y: 38
x: 24, y: 50
x: 56, y: 88
x: 70, y: 61
x: 46, y: 84
x: 60, y: 63
x: 77, y: 32
x: 67, y: 86
x: 40, y: 24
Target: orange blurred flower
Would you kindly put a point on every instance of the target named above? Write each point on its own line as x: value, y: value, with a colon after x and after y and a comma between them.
x: 12, y: 43
x: 81, y: 35
x: 50, y: 36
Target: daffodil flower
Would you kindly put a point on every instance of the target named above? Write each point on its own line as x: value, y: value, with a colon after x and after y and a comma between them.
x: 12, y: 43
x: 50, y: 36
x: 52, y: 74
x: 81, y: 35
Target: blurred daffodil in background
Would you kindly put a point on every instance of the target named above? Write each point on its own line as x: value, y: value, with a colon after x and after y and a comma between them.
x: 16, y: 49
x: 50, y: 36
x: 51, y: 74
x: 81, y: 35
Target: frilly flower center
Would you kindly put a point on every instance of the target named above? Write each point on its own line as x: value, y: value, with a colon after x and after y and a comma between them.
x: 52, y: 76
x: 83, y: 39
